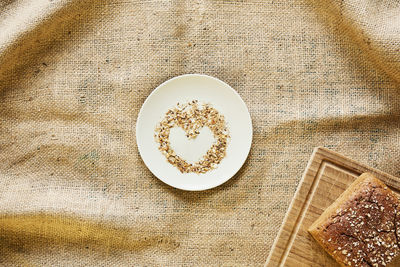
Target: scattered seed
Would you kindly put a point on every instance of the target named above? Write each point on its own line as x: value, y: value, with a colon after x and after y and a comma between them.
x: 191, y: 117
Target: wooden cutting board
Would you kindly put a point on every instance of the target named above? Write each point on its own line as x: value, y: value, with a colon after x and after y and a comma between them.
x: 327, y: 175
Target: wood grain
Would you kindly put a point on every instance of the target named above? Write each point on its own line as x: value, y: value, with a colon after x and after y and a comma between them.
x: 327, y: 175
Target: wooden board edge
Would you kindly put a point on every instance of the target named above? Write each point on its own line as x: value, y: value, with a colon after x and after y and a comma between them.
x: 302, y: 186
x: 358, y: 167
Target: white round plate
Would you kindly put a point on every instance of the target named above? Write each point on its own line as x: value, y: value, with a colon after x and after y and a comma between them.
x: 205, y: 89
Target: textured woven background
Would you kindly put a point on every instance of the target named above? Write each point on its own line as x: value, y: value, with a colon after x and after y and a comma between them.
x: 74, y: 74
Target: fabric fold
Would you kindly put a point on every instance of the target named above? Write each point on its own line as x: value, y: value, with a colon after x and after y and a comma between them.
x: 74, y: 75
x: 29, y: 28
x: 375, y: 26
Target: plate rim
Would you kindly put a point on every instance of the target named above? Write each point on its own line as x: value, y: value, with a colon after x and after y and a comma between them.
x: 159, y: 87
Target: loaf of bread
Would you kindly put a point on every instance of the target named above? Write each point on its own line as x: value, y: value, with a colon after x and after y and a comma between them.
x: 362, y: 227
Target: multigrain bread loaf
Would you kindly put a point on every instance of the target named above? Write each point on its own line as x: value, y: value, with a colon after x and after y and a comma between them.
x: 362, y: 227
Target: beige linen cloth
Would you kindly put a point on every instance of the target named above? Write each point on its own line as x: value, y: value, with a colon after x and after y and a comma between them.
x: 74, y: 74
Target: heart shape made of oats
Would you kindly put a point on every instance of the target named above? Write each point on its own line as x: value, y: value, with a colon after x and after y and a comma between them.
x: 192, y: 117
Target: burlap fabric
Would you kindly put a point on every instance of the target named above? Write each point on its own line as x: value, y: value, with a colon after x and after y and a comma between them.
x: 74, y: 74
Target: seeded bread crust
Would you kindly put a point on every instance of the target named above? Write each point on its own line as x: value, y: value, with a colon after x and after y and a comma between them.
x: 362, y: 227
